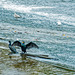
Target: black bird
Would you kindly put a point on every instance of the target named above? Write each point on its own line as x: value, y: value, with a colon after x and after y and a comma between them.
x: 23, y: 46
x: 12, y: 48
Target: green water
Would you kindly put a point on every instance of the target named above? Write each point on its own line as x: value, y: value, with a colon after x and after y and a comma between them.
x: 16, y: 65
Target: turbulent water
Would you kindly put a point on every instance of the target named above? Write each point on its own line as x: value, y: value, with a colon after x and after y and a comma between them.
x: 48, y: 23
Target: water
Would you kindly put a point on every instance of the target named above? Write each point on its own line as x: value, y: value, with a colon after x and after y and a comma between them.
x: 48, y: 23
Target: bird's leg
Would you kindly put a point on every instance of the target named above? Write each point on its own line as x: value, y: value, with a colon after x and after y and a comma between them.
x: 10, y: 57
x: 23, y: 56
x: 10, y: 53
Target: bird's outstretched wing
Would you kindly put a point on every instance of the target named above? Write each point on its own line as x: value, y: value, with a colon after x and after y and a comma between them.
x: 16, y: 43
x: 12, y: 48
x: 31, y: 45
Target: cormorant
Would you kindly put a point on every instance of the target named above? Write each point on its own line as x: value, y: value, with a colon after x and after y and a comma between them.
x: 12, y: 48
x: 23, y: 46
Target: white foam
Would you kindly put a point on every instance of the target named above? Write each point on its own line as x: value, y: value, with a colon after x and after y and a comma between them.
x: 18, y: 8
x: 41, y: 7
x: 22, y: 8
x: 42, y: 14
x: 3, y: 47
x: 70, y: 23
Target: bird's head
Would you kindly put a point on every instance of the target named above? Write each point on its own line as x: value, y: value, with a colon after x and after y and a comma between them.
x: 23, y: 42
x: 9, y: 42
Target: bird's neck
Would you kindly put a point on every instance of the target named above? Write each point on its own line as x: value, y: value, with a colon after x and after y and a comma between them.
x: 10, y: 43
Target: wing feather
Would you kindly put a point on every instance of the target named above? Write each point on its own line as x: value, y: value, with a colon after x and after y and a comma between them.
x: 12, y: 48
x: 31, y: 45
x: 16, y: 43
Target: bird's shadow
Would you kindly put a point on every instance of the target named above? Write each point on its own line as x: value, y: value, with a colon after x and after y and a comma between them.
x: 11, y: 54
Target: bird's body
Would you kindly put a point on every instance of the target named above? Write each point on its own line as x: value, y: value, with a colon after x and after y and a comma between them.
x: 12, y: 48
x: 23, y: 46
x: 59, y: 22
x: 16, y: 15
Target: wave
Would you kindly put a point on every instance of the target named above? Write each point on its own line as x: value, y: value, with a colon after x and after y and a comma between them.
x: 17, y: 8
x: 58, y: 63
x: 22, y: 8
x: 61, y: 37
x: 47, y: 15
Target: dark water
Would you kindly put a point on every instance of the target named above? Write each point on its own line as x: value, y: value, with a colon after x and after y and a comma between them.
x: 48, y: 23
